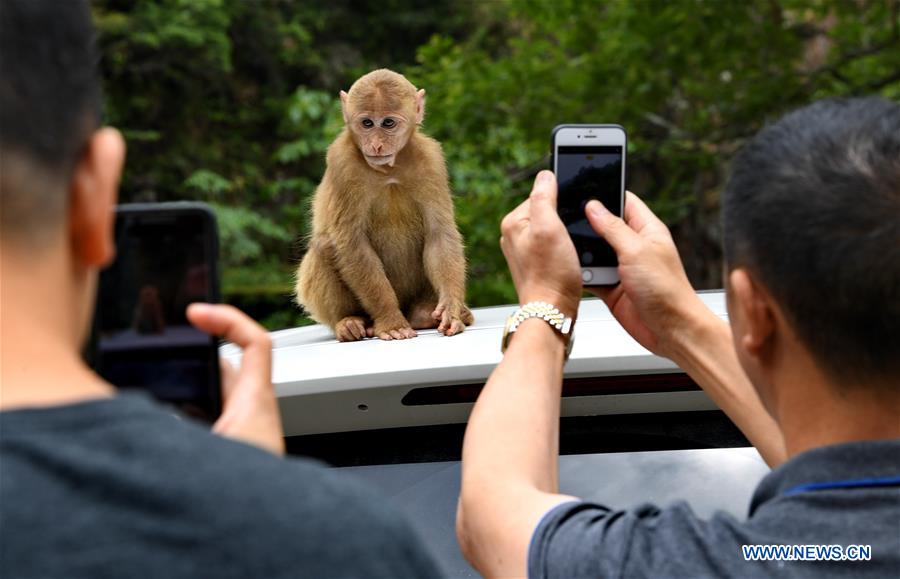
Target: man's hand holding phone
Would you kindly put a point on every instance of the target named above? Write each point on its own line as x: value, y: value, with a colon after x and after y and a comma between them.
x: 654, y: 301
x: 656, y: 304
x: 249, y: 407
x: 540, y: 254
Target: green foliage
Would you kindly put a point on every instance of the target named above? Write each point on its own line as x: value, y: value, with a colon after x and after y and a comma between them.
x: 207, y: 183
x: 690, y: 81
x: 244, y: 233
x: 234, y: 102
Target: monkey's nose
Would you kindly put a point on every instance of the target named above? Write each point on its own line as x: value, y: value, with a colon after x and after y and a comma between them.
x: 377, y: 148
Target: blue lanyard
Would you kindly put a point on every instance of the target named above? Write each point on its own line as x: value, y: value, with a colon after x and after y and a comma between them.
x: 885, y: 481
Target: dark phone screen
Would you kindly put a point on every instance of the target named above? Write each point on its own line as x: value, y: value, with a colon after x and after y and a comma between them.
x: 164, y: 261
x: 585, y: 173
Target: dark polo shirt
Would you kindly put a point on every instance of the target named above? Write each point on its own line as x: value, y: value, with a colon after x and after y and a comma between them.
x: 843, y: 495
x: 121, y: 488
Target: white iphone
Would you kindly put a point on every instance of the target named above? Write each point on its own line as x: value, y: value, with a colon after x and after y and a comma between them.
x: 589, y: 163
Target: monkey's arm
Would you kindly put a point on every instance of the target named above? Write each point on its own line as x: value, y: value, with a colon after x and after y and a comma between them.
x: 445, y: 264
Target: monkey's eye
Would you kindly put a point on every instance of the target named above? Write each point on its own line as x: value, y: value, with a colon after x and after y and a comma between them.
x: 388, y: 123
x: 367, y: 123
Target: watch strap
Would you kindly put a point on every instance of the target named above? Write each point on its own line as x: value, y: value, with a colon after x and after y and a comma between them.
x: 545, y: 311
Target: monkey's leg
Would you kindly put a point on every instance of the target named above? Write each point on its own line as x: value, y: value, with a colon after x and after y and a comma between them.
x: 327, y: 299
x: 419, y: 314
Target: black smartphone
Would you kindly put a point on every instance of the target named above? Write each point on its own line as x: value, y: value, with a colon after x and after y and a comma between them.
x: 166, y: 258
x: 589, y: 163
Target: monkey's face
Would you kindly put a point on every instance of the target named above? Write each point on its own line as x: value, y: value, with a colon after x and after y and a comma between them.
x: 382, y: 111
x: 380, y: 135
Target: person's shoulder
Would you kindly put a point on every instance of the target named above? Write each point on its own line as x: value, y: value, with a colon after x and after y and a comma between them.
x: 585, y: 538
x: 266, y: 516
x: 297, y: 511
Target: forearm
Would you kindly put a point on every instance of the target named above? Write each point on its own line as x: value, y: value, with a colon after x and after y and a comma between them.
x: 513, y: 430
x: 445, y: 265
x: 704, y: 349
x: 510, y: 452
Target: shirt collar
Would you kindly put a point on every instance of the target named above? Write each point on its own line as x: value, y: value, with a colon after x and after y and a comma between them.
x: 846, y: 461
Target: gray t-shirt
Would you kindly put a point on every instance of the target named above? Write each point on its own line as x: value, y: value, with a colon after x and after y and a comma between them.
x: 122, y: 488
x: 843, y: 495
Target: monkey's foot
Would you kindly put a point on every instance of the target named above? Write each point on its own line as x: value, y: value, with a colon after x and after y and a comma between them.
x: 350, y: 329
x: 393, y: 328
x: 452, y: 317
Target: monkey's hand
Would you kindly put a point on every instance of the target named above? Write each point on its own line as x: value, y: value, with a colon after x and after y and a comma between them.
x: 453, y: 316
x: 393, y: 327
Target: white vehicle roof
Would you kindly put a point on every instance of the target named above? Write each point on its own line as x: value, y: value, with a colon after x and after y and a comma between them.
x: 328, y: 386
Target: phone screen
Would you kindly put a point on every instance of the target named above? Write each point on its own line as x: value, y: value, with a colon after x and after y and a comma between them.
x: 584, y: 173
x: 164, y: 261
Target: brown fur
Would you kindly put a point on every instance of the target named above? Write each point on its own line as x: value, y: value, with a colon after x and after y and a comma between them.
x: 385, y: 257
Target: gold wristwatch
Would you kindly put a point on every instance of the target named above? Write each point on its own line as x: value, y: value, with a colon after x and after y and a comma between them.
x: 547, y: 312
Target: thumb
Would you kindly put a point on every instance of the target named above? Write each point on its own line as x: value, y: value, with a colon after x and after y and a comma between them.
x: 543, y: 199
x: 612, y: 228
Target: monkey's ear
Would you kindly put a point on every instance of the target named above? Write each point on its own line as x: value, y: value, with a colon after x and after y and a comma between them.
x: 344, y: 107
x: 420, y: 106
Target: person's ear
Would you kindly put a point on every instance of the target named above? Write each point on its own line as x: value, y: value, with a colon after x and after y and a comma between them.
x: 93, y: 193
x: 754, y: 314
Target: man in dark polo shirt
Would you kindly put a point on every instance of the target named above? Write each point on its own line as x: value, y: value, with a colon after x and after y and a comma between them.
x: 809, y: 369
x: 94, y: 484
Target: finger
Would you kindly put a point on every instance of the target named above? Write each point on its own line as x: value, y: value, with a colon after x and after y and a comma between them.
x: 357, y: 329
x: 456, y: 327
x: 516, y: 219
x: 542, y: 211
x: 601, y: 292
x: 613, y: 229
x: 638, y: 216
x: 609, y: 295
x: 445, y: 322
x: 506, y: 248
x: 410, y: 333
x: 396, y: 334
x: 228, y: 377
x: 436, y: 314
x: 385, y: 336
x: 236, y: 327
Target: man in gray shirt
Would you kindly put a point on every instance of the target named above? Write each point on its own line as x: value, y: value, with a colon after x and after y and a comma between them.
x: 94, y: 484
x: 808, y: 367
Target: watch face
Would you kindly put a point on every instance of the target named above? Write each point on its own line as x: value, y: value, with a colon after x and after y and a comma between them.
x: 506, y: 334
x: 570, y: 343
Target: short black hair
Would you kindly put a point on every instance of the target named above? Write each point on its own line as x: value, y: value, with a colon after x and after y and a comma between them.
x: 813, y: 209
x: 49, y: 106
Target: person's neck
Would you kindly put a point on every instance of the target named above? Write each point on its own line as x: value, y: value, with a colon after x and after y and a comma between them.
x: 40, y: 363
x: 813, y: 411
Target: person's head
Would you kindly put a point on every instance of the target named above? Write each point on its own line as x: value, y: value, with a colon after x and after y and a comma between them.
x: 811, y: 219
x: 58, y: 171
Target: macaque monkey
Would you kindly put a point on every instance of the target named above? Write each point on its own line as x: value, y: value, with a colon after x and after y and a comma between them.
x: 385, y: 257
